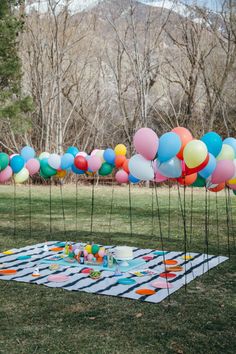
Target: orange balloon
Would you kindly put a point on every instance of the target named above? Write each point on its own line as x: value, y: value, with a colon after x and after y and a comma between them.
x: 125, y: 166
x: 120, y: 160
x: 187, y: 180
x: 218, y: 188
x: 185, y: 137
x: 99, y: 259
x: 61, y: 173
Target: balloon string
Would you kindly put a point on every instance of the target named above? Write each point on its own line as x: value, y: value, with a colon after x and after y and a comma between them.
x: 92, y: 207
x: 130, y: 211
x: 76, y: 208
x: 217, y: 227
x: 206, y: 227
x: 14, y: 209
x: 50, y: 208
x: 231, y: 216
x: 111, y: 211
x: 179, y: 211
x: 63, y: 210
x: 30, y: 208
x: 161, y: 237
x: 169, y: 211
x: 227, y: 222
x: 152, y: 234
x: 191, y: 216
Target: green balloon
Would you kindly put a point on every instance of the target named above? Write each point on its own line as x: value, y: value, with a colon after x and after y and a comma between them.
x: 42, y: 175
x: 200, y: 182
x: 234, y: 192
x: 105, y: 169
x: 46, y: 170
x: 4, y: 160
x: 95, y: 249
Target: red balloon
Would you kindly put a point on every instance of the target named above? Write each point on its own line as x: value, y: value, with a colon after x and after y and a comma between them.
x: 218, y: 188
x: 125, y: 166
x: 187, y: 180
x: 81, y: 163
x: 120, y: 160
x: 189, y: 171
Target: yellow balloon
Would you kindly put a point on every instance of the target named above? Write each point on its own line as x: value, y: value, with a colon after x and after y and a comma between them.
x: 232, y: 181
x: 120, y: 149
x: 195, y: 153
x: 227, y: 153
x: 88, y: 248
x: 61, y: 174
x: 21, y: 176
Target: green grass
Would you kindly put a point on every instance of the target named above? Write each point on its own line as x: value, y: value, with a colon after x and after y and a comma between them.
x: 36, y: 319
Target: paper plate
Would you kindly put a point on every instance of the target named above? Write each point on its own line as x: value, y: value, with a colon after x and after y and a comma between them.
x: 145, y: 292
x: 161, y: 285
x: 8, y: 252
x: 23, y: 257
x: 167, y: 275
x: 170, y: 262
x: 174, y: 269
x: 7, y: 271
x: 58, y: 278
x: 159, y: 253
x: 126, y: 281
x: 56, y: 249
x: 187, y: 257
x: 86, y: 270
x: 148, y: 258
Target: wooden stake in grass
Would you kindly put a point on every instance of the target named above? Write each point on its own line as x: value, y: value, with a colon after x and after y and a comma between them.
x: 130, y: 211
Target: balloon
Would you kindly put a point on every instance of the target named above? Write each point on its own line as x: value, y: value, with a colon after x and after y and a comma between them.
x: 120, y: 149
x: 109, y: 156
x: 146, y: 143
x: 224, y: 171
x: 5, y: 174
x: 105, y: 169
x: 17, y: 163
x: 21, y: 176
x: 81, y: 163
x: 227, y: 153
x: 88, y: 248
x: 133, y: 179
x: 95, y: 249
x: 94, y: 163
x: 195, y: 153
x: 218, y: 188
x: 94, y: 152
x: 44, y: 155
x: 120, y: 160
x: 190, y: 171
x: 210, y: 167
x: 82, y: 153
x: 187, y: 180
x: 67, y: 161
x: 46, y: 170
x: 231, y: 142
x: 122, y: 176
x: 76, y: 170
x: 199, y: 182
x: 159, y: 177
x: 234, y: 191
x: 4, y: 160
x: 27, y: 153
x: 185, y: 137
x: 141, y: 168
x: 33, y: 166
x: 61, y: 174
x: 54, y: 161
x: 100, y: 153
x: 213, y: 142
x: 232, y: 186
x: 72, y: 150
x: 171, y: 168
x: 125, y: 166
x: 169, y: 146
x: 101, y: 252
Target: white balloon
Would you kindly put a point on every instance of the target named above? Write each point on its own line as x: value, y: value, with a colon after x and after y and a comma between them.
x: 54, y: 161
x: 141, y: 168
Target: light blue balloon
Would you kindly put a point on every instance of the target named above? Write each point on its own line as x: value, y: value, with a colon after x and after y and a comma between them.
x: 169, y: 146
x: 76, y: 170
x: 133, y: 179
x: 27, y: 153
x: 231, y: 142
x: 171, y: 168
x: 213, y: 142
x: 67, y: 161
x: 73, y: 150
x: 210, y: 167
x: 109, y: 156
x: 17, y: 163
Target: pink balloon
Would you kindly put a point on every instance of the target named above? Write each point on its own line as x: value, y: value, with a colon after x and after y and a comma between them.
x: 90, y: 257
x: 85, y: 253
x: 146, y: 143
x: 223, y: 172
x: 32, y: 166
x: 232, y: 186
x: 159, y: 177
x: 93, y: 153
x: 122, y: 176
x: 82, y: 153
x: 94, y: 163
x: 5, y: 174
x: 101, y: 253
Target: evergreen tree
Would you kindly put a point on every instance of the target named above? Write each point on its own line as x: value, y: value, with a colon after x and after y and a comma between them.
x: 12, y: 105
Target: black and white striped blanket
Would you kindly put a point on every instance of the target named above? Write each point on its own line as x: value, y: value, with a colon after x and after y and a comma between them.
x: 108, y: 283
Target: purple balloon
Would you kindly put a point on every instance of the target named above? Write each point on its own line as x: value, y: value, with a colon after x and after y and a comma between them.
x: 146, y: 143
x: 223, y: 172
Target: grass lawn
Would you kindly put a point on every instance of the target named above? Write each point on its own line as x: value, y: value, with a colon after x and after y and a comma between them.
x: 37, y: 319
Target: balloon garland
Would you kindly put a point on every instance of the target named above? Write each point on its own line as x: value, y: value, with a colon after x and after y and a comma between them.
x: 208, y: 162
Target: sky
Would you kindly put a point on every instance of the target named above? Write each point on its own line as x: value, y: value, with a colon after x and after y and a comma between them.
x: 212, y: 4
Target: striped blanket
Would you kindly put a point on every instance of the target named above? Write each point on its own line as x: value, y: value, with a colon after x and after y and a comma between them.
x: 193, y: 265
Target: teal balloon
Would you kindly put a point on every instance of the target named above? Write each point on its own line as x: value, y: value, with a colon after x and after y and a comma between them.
x: 105, y: 169
x: 169, y: 146
x: 46, y: 170
x: 4, y: 160
x: 200, y: 182
x: 213, y: 142
x: 234, y: 192
x: 17, y: 163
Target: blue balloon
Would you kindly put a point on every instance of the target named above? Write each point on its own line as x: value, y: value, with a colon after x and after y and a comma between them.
x: 17, y: 163
x: 109, y: 156
x: 27, y: 153
x: 169, y: 146
x: 133, y: 179
x: 231, y: 142
x: 213, y: 142
x: 210, y: 167
x: 171, y: 168
x: 73, y: 150
x: 67, y: 161
x: 76, y: 170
